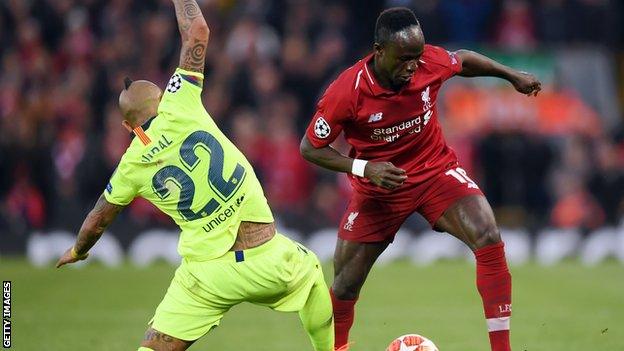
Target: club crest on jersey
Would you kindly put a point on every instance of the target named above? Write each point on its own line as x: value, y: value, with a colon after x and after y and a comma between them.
x: 375, y: 117
x: 426, y: 99
x: 349, y: 225
x: 321, y: 128
x: 175, y: 83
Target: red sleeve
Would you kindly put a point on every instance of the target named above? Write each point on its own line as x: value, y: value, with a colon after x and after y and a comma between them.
x: 332, y: 111
x: 448, y: 62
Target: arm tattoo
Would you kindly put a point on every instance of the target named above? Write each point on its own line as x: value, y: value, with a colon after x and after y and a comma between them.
x: 193, y: 56
x: 94, y: 225
x: 191, y: 9
x: 155, y: 335
x: 186, y: 11
x: 190, y: 18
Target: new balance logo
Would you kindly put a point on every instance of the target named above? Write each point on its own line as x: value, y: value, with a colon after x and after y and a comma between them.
x: 375, y: 117
x: 349, y: 225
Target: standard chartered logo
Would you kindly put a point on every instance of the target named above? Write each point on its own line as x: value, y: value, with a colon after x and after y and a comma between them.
x: 391, y: 134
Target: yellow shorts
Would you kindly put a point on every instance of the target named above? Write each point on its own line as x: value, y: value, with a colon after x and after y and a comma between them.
x: 278, y: 274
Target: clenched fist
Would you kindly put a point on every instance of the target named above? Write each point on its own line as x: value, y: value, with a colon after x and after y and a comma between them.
x: 526, y: 83
x: 385, y: 174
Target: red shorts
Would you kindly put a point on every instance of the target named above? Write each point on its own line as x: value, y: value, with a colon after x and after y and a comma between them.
x: 374, y: 219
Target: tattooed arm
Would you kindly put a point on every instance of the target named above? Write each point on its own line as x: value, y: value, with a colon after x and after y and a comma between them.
x: 155, y: 340
x: 195, y: 33
x: 92, y: 228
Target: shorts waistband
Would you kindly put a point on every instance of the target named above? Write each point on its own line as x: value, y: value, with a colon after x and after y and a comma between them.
x: 242, y: 255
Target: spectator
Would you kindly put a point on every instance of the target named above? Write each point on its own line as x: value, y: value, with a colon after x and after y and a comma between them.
x: 62, y: 64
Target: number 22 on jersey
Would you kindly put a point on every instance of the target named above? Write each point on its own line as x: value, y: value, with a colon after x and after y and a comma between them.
x: 224, y: 189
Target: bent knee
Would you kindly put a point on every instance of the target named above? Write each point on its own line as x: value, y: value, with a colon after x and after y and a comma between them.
x: 344, y: 290
x: 489, y: 235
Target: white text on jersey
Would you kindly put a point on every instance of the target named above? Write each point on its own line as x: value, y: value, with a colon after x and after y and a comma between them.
x: 163, y: 143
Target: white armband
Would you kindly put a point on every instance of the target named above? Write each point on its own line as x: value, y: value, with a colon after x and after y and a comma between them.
x: 358, y: 167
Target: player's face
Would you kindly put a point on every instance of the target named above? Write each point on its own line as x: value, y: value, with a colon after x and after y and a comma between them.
x: 398, y: 58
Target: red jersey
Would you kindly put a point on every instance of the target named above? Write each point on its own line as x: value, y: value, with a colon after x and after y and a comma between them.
x: 382, y: 125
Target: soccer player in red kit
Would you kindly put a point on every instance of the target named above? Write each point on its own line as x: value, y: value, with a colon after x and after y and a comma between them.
x: 400, y: 163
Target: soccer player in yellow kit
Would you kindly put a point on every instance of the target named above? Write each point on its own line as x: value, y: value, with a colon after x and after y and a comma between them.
x: 181, y: 162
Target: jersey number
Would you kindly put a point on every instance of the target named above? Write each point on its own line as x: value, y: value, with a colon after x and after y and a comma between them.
x: 459, y: 174
x: 225, y: 189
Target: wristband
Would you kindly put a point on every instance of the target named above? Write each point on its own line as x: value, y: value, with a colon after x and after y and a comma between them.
x: 75, y: 255
x: 358, y: 167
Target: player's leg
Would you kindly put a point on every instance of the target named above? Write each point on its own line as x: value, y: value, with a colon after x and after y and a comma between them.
x: 157, y: 341
x: 352, y: 263
x: 316, y: 316
x: 368, y: 226
x: 190, y: 308
x: 288, y: 277
x: 471, y: 220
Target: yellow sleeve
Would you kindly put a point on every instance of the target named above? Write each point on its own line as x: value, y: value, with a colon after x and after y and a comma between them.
x: 120, y: 190
x: 183, y: 92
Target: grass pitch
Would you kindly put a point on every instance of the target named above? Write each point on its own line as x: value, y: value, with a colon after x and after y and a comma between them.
x: 562, y: 308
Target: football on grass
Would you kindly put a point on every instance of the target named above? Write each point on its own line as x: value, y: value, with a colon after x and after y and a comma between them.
x: 412, y: 342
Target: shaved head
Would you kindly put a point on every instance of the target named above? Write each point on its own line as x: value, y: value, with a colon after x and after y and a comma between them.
x: 139, y: 101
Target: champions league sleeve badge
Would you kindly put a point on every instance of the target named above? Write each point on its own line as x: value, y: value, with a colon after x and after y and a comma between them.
x: 175, y: 83
x: 321, y: 128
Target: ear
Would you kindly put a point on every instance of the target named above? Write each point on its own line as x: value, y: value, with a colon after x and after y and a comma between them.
x: 127, y: 125
x: 127, y: 83
x: 380, y: 51
x: 378, y: 48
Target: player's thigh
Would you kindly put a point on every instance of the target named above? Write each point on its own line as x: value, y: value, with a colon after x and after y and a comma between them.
x: 281, y: 277
x: 158, y: 341
x: 317, y: 316
x: 318, y: 303
x: 372, y: 219
x: 351, y: 257
x: 368, y: 226
x: 471, y: 220
x: 191, y: 308
x: 352, y: 263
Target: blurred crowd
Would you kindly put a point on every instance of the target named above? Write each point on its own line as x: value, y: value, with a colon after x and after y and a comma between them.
x: 62, y: 64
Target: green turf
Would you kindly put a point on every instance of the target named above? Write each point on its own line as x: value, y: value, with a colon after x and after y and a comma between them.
x: 563, y: 308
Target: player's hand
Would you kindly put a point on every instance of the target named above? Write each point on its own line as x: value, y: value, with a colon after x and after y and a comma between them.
x: 526, y: 83
x: 68, y: 257
x: 385, y: 174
